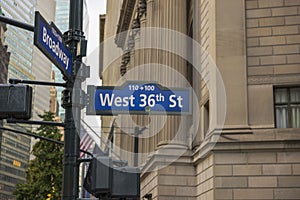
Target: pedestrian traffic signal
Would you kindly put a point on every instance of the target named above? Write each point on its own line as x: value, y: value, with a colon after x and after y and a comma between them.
x: 99, y: 167
x: 125, y: 182
x: 104, y: 179
x: 15, y: 101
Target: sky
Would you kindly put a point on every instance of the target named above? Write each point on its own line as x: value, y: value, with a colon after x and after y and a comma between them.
x: 95, y: 8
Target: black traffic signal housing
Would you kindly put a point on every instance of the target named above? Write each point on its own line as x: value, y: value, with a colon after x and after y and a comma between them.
x: 97, y: 178
x: 105, y: 179
x: 15, y: 101
x: 125, y: 182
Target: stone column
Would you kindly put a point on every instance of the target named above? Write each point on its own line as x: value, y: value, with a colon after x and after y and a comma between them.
x: 165, y: 16
x: 231, y: 59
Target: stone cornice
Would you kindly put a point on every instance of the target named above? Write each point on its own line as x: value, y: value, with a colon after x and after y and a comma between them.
x: 274, y: 79
x: 165, y: 156
x: 124, y: 21
x: 257, y: 140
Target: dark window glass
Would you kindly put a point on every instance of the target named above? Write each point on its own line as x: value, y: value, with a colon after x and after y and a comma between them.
x: 287, y: 107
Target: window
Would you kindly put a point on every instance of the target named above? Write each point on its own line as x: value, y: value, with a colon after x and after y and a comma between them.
x: 206, y: 117
x: 287, y: 107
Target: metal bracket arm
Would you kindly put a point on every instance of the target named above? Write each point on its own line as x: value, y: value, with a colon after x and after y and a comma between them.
x: 47, y: 123
x: 16, y: 81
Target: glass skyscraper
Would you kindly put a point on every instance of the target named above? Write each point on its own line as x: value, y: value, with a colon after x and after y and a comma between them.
x: 62, y: 23
x: 15, y: 148
x: 27, y: 63
x: 62, y: 15
x: 19, y: 41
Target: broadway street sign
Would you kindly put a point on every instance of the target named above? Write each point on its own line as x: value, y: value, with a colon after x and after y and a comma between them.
x: 48, y: 39
x: 138, y: 98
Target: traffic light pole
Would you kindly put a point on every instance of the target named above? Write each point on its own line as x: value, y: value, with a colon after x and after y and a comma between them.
x: 72, y: 105
x: 72, y: 96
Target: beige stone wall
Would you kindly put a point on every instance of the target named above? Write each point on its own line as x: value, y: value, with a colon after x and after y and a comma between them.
x: 273, y: 59
x: 167, y: 14
x: 231, y: 60
x: 273, y: 47
x: 172, y: 182
x: 205, y: 178
x: 149, y: 184
x: 204, y: 34
x: 273, y: 39
x: 257, y: 175
x: 255, y: 45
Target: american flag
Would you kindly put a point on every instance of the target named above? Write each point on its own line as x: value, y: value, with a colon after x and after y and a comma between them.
x: 86, y: 142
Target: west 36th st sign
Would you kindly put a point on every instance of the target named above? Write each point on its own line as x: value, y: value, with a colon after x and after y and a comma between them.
x: 138, y: 98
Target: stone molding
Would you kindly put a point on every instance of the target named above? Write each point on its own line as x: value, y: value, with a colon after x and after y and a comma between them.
x: 274, y: 80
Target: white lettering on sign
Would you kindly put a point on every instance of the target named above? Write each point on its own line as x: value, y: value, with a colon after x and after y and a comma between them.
x: 110, y: 100
x: 174, y: 100
x: 57, y: 35
x: 55, y: 48
x: 151, y: 100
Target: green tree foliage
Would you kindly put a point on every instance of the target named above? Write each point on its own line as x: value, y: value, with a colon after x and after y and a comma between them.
x: 44, y: 174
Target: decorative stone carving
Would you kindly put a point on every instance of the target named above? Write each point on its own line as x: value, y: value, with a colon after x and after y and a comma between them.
x: 142, y: 8
x: 131, y: 42
x: 135, y: 26
x: 126, y: 57
x: 123, y: 69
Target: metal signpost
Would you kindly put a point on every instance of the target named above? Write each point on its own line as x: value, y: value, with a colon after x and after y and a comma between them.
x: 138, y: 98
x: 66, y: 52
x: 62, y: 51
x: 72, y: 104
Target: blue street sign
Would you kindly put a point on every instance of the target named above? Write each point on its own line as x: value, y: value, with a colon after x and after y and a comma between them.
x: 48, y: 39
x: 138, y: 98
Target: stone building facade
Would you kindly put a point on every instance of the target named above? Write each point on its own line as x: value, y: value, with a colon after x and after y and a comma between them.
x: 242, y: 139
